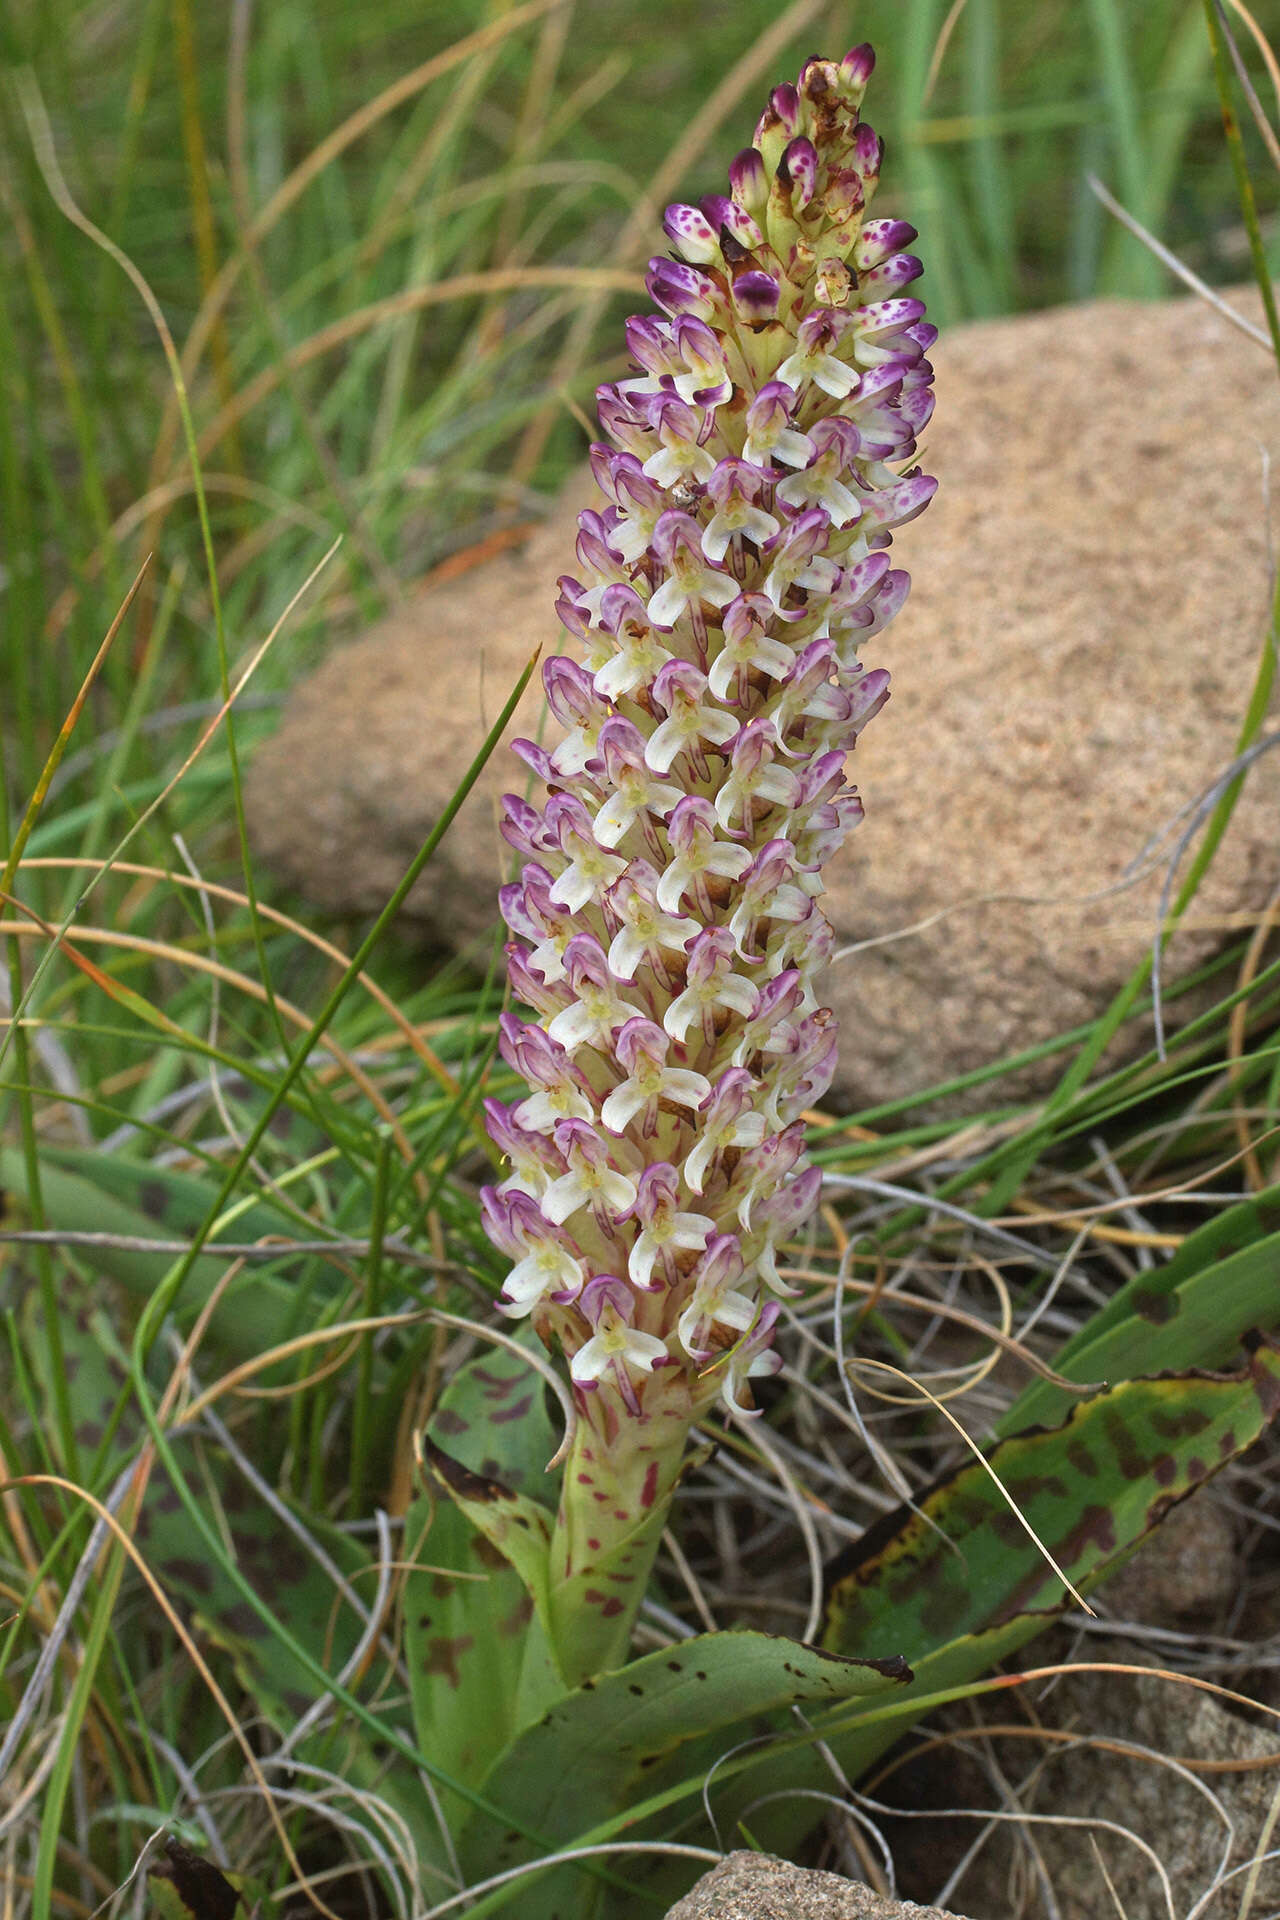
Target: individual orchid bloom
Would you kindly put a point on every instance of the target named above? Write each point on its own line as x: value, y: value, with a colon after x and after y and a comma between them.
x: 771, y: 437
x: 598, y: 1009
x: 615, y: 1347
x: 735, y: 487
x: 645, y: 932
x: 699, y: 859
x: 816, y: 358
x: 748, y: 647
x: 752, y: 1358
x: 713, y: 1303
x: 578, y: 706
x: 652, y: 348
x: 639, y: 501
x: 590, y: 870
x: 692, y: 722
x: 638, y: 654
x: 767, y: 895
x: 665, y: 1230
x: 690, y: 580
x: 535, y: 1161
x: 706, y: 380
x: 728, y: 1119
x: 759, y: 1171
x: 667, y: 937
x: 552, y: 926
x: 770, y: 1027
x: 591, y: 1182
x: 548, y: 1270
x: 713, y: 989
x: 528, y: 984
x: 776, y: 1219
x: 562, y: 1092
x: 835, y: 444
x: 807, y: 695
x: 754, y: 783
x: 681, y: 456
x: 642, y: 1048
x: 598, y: 560
x: 804, y: 1072
x: 795, y: 559
x: 635, y: 792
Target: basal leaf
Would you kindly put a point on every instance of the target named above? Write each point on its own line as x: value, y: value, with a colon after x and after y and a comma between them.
x: 478, y: 1661
x: 1090, y: 1489
x: 272, y: 1558
x: 94, y: 1368
x: 1194, y: 1311
x: 959, y: 1586
x: 590, y: 1756
x: 277, y: 1564
x: 87, y: 1192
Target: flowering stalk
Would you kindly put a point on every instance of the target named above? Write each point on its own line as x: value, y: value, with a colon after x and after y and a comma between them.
x: 666, y: 927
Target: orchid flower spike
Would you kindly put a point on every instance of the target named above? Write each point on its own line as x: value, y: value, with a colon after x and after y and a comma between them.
x: 666, y: 932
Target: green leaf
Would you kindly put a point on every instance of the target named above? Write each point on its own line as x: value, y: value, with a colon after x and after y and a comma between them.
x: 958, y: 1586
x: 1193, y: 1311
x: 479, y: 1664
x: 89, y: 1192
x: 591, y: 1755
x: 1090, y: 1489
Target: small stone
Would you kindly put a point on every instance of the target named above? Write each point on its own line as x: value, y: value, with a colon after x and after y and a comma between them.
x: 756, y: 1886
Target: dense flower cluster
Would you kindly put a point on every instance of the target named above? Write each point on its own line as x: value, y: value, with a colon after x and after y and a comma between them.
x: 666, y: 927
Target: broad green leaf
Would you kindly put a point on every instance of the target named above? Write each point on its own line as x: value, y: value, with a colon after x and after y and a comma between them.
x: 95, y: 1368
x: 591, y: 1756
x: 479, y: 1668
x: 1090, y: 1489
x: 1193, y: 1311
x: 958, y: 1586
x: 87, y: 1192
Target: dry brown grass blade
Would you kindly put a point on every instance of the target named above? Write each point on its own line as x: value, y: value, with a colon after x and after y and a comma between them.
x: 753, y: 69
x: 216, y: 969
x: 295, y: 185
x: 232, y: 485
x: 65, y: 731
x: 234, y: 897
x: 125, y: 1540
x: 463, y: 286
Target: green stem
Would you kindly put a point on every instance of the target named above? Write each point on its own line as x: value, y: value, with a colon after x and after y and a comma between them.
x: 619, y: 1479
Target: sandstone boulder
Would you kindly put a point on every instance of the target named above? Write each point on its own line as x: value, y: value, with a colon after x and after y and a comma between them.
x: 1092, y: 589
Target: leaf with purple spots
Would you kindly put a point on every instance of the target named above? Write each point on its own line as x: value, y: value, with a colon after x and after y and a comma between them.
x: 957, y: 1585
x: 593, y: 1754
x: 1191, y: 1312
x: 478, y: 1662
x: 1091, y: 1489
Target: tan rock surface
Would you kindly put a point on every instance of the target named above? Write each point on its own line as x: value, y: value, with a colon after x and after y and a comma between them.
x: 756, y: 1886
x: 1091, y: 591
